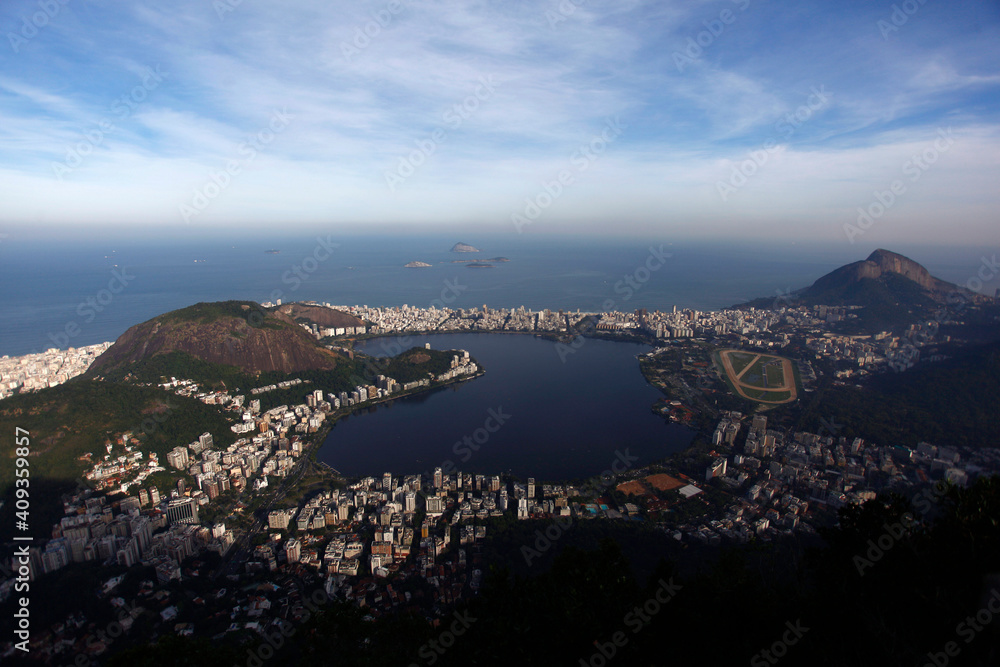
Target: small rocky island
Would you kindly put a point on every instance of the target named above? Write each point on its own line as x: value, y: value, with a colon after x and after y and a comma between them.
x: 417, y: 265
x: 464, y: 247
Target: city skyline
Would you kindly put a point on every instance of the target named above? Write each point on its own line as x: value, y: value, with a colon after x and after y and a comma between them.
x: 726, y: 118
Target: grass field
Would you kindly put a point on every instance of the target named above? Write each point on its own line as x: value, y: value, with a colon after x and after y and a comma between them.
x: 774, y: 374
x: 764, y: 378
x: 740, y: 360
x: 765, y: 396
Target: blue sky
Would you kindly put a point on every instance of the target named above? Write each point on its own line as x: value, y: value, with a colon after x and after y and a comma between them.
x: 723, y: 119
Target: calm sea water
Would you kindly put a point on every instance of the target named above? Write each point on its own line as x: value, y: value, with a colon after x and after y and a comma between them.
x: 560, y: 419
x: 60, y: 294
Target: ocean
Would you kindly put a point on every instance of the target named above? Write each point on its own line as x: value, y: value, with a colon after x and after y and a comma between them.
x: 66, y: 294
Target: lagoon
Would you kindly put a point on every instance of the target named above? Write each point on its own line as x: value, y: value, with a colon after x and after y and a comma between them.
x: 533, y: 414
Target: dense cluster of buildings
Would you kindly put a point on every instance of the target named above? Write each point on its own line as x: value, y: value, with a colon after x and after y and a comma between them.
x: 781, y: 482
x: 419, y: 528
x: 753, y: 327
x: 749, y: 327
x: 674, y: 324
x: 127, y: 532
x: 32, y: 372
x: 416, y: 541
x: 272, y: 441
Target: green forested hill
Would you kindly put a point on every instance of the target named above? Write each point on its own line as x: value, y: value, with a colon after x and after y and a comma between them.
x: 954, y: 402
x: 67, y: 421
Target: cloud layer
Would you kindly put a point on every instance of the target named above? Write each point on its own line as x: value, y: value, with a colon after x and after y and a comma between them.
x: 738, y: 118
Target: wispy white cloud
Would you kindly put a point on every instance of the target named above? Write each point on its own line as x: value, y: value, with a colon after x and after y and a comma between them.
x: 360, y: 101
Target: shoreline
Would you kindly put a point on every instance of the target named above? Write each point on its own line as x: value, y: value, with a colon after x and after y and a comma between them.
x: 328, y: 424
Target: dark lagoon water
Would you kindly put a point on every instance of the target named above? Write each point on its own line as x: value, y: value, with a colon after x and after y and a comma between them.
x: 562, y: 419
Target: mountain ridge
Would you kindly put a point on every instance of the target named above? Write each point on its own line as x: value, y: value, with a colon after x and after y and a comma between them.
x: 234, y: 333
x: 879, y: 263
x: 892, y: 290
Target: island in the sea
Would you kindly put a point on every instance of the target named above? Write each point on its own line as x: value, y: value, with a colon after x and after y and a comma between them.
x: 417, y: 265
x: 464, y: 247
x: 479, y: 265
x: 272, y: 252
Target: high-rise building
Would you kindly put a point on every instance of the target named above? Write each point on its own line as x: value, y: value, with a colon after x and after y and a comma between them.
x: 182, y: 510
x: 279, y: 519
x: 438, y: 478
x: 531, y: 487
x: 128, y: 504
x: 293, y: 550
x: 716, y: 469
x: 142, y: 532
x: 435, y: 505
x: 178, y: 457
